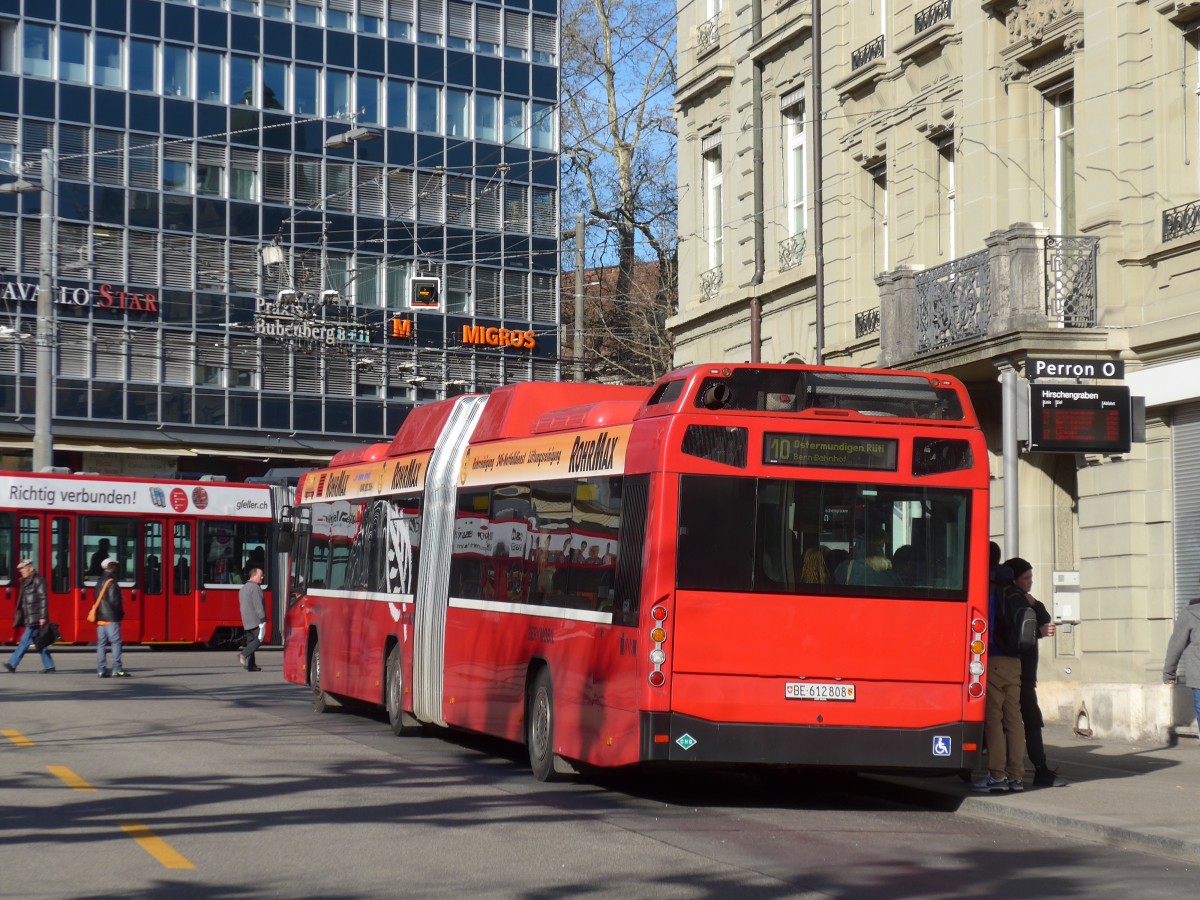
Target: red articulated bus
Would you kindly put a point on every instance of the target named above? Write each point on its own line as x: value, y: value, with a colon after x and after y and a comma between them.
x: 181, y: 547
x: 742, y: 564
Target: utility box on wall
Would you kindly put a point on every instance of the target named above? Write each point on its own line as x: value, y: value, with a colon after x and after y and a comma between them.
x: 1066, y: 598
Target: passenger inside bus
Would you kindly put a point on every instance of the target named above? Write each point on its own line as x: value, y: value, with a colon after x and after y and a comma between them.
x: 183, y: 576
x: 94, y: 567
x: 152, y: 576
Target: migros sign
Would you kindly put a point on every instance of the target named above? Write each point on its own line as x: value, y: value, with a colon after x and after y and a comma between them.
x: 482, y: 336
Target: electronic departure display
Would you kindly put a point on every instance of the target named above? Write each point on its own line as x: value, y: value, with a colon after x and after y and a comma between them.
x: 827, y: 451
x: 1072, y: 418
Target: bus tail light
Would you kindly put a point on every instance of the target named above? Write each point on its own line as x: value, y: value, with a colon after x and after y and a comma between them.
x: 975, y: 666
x: 658, y: 656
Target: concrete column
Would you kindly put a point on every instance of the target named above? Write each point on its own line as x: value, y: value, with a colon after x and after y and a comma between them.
x: 898, y: 314
x: 1018, y: 278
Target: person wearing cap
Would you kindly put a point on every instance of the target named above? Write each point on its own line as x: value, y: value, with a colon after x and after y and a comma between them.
x: 110, y: 610
x: 1031, y: 713
x: 31, y: 612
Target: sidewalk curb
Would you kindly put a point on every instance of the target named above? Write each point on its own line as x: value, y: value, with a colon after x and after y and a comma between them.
x: 1013, y: 811
x: 1081, y: 826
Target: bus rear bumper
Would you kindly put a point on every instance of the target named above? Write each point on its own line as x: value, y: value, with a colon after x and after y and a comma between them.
x: 689, y: 739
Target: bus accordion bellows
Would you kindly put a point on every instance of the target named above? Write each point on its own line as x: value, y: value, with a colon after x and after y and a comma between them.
x: 762, y: 564
x: 182, y: 549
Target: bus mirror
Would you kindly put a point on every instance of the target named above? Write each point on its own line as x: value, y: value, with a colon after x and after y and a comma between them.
x: 716, y: 396
x: 283, y: 542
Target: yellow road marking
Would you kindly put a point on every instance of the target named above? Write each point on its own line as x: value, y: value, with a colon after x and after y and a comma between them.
x: 69, y: 778
x: 17, y: 738
x: 157, y: 847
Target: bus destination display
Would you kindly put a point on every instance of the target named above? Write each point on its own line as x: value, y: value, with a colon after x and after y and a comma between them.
x: 829, y: 451
x: 1067, y: 418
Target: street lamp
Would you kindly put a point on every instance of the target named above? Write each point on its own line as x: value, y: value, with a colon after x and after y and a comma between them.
x: 357, y: 134
x: 43, y: 443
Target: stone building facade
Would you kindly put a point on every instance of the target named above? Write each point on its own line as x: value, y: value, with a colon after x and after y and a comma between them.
x: 1002, y: 180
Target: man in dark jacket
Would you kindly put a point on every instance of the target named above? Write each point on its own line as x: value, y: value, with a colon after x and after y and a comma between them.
x: 110, y: 610
x: 1003, y: 726
x: 1031, y: 712
x: 1184, y: 648
x: 31, y: 612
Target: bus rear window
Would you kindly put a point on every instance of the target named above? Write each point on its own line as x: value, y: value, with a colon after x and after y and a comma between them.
x: 784, y: 391
x: 775, y: 535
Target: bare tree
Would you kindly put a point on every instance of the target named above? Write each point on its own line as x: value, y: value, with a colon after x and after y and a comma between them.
x: 618, y: 139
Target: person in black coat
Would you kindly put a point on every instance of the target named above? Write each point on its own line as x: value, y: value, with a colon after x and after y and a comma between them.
x: 1031, y: 713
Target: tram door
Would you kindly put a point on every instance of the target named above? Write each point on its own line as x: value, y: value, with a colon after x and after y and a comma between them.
x: 68, y: 602
x: 154, y: 599
x: 180, y: 584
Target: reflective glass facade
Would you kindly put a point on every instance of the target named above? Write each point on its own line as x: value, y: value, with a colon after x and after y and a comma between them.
x: 189, y: 136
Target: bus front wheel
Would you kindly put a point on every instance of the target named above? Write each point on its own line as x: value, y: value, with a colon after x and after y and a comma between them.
x: 540, y: 725
x: 321, y: 700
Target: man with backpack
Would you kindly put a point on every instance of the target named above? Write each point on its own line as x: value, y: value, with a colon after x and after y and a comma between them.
x: 1003, y: 725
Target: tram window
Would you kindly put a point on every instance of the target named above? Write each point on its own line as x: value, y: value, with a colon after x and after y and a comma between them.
x: 231, y: 548
x: 152, y: 554
x: 182, y: 566
x: 101, y: 538
x: 29, y: 544
x: 6, y: 544
x: 60, y: 555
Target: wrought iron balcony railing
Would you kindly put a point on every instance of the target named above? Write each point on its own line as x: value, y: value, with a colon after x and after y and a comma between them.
x: 866, y: 323
x: 953, y: 300
x: 710, y: 283
x: 867, y: 53
x: 791, y: 250
x: 931, y: 15
x: 1181, y: 221
x: 1071, y: 280
x: 708, y: 37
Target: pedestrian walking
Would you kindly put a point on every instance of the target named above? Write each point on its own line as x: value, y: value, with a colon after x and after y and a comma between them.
x: 1183, y: 650
x: 1031, y: 712
x: 31, y: 612
x: 254, y: 617
x: 107, y: 612
x: 1003, y: 728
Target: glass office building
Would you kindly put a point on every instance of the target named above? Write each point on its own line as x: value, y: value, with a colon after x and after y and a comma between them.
x: 244, y: 193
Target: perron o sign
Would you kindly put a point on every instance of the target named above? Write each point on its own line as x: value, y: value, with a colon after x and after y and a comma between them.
x: 1103, y: 369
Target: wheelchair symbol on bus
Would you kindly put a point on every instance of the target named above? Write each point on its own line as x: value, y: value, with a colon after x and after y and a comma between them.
x: 941, y: 745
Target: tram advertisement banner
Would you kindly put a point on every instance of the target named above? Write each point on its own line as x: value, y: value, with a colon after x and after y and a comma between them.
x: 98, y: 495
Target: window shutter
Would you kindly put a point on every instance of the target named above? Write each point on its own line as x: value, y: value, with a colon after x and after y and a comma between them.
x: 400, y: 194
x: 308, y: 182
x: 791, y: 98
x: 110, y: 157
x: 108, y: 355
x: 487, y: 293
x: 458, y: 201
x: 371, y: 8
x: 431, y: 191
x: 370, y: 190
x: 177, y: 359
x: 211, y: 272
x: 339, y: 377
x: 177, y: 261
x: 545, y: 299
x: 8, y: 238
x: 545, y: 213
x: 460, y: 20
x: 487, y: 25
x: 308, y: 372
x: 108, y: 249
x: 487, y: 208
x: 516, y: 207
x: 143, y: 162
x: 340, y: 194
x: 74, y: 249
x: 277, y: 178
x: 545, y: 39
x: 243, y: 268
x: 516, y: 299
x: 342, y: 5
x: 75, y: 152
x: 73, y: 345
x: 516, y: 29
x: 31, y: 245
x: 487, y: 372
x: 143, y: 258
x: 143, y: 359
x: 401, y: 11
x: 276, y: 368
x: 432, y: 16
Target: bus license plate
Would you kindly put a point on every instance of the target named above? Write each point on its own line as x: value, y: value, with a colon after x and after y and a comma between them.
x: 806, y: 690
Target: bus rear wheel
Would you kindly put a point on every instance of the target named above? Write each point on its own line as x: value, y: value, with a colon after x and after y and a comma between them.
x: 539, y: 736
x: 321, y: 699
x: 402, y: 723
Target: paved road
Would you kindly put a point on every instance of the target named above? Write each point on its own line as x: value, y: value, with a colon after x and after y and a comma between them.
x: 196, y: 779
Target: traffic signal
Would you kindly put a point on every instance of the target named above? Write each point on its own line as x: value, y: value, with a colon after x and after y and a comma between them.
x: 425, y: 293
